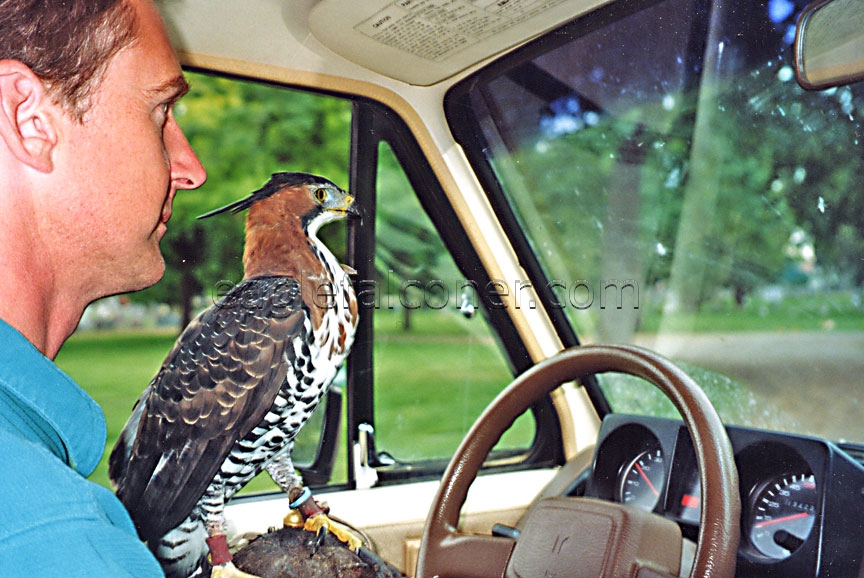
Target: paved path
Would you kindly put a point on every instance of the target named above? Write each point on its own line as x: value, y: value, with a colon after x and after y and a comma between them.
x: 812, y: 382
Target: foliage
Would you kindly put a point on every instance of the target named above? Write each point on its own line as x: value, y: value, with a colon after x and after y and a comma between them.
x: 766, y: 186
x: 407, y: 246
x: 694, y: 175
x: 406, y: 241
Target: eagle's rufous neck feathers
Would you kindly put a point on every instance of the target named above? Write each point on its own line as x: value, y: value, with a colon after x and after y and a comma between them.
x: 276, y: 243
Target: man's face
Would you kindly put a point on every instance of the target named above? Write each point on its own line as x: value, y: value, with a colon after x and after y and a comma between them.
x: 125, y: 162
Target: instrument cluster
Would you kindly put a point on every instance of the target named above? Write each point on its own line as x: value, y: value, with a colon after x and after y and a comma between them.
x: 649, y: 463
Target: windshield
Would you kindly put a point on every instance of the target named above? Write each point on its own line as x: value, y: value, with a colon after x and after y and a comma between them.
x: 680, y: 191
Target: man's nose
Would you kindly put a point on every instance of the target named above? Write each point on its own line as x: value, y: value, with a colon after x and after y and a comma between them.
x: 186, y: 168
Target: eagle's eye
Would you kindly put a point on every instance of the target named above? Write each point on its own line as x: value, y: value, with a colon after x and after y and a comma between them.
x: 321, y: 195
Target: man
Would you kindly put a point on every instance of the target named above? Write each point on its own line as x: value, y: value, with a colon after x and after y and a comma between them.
x: 90, y: 160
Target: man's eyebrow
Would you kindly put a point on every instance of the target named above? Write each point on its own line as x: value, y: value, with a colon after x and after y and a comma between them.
x: 174, y: 88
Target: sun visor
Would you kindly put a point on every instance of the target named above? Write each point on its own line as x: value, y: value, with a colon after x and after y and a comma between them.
x: 425, y: 41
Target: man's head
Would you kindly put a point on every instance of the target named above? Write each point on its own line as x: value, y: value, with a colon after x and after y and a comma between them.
x: 90, y: 151
x: 67, y: 43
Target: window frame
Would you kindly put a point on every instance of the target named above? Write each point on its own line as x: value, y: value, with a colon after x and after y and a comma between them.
x: 457, y: 111
x: 372, y: 124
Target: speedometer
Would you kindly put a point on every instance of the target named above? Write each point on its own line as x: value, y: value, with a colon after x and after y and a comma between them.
x: 782, y: 515
x: 641, y: 480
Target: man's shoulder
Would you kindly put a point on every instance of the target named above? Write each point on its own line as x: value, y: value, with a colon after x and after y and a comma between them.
x: 41, y: 403
x: 35, y: 485
x: 37, y: 488
x: 43, y: 501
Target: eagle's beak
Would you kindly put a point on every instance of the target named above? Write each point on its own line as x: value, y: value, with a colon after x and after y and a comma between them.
x: 353, y: 209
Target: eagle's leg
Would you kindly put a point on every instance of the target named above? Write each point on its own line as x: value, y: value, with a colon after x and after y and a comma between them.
x: 281, y: 469
x: 213, y: 506
x: 313, y: 517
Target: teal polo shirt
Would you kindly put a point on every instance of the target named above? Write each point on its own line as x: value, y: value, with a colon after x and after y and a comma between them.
x: 53, y: 522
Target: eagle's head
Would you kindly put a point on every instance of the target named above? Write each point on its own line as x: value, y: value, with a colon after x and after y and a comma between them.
x: 309, y: 199
x: 284, y: 217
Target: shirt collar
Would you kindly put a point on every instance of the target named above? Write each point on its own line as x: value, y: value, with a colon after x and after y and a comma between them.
x: 45, y: 405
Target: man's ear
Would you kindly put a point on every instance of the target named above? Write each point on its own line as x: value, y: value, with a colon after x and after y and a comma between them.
x: 27, y: 116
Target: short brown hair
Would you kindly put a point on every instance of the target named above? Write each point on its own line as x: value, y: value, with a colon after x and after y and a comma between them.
x: 67, y: 43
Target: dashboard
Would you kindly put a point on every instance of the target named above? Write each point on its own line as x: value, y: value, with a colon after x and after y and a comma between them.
x: 802, y: 499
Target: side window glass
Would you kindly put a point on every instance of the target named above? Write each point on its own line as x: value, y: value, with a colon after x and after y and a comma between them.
x: 437, y: 363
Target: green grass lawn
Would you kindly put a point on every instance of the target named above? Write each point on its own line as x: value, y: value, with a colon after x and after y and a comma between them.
x: 429, y: 391
x: 839, y: 310
x: 431, y: 382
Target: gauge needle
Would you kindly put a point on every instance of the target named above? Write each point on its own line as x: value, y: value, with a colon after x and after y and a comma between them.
x: 781, y: 519
x: 644, y: 477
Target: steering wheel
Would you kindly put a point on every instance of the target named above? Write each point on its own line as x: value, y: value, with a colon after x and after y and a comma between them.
x: 565, y: 536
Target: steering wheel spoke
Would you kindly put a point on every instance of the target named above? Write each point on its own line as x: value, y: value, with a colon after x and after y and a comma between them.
x: 471, y: 555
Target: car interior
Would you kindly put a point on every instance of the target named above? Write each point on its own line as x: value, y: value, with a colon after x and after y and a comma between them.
x: 610, y: 273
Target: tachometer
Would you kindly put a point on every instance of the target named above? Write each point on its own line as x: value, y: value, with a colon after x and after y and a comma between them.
x: 783, y: 513
x: 641, y: 480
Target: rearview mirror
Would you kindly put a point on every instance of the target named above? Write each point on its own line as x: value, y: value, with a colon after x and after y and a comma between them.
x: 829, y: 44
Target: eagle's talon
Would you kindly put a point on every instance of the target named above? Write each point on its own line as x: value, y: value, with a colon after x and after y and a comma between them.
x: 320, y: 536
x: 316, y: 518
x: 342, y: 533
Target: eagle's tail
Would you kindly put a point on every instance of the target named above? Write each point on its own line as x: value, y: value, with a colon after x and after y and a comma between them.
x: 183, y: 551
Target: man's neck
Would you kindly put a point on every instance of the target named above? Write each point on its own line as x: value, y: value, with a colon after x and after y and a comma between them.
x: 43, y: 321
x: 32, y: 299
